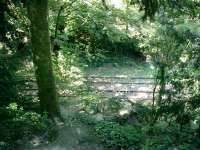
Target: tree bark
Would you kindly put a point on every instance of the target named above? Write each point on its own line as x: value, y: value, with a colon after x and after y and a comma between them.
x: 38, y: 15
x: 162, y: 83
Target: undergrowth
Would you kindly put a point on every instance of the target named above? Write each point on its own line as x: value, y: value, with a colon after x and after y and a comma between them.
x: 118, y: 133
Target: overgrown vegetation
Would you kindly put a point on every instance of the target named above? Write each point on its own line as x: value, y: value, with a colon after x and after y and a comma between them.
x: 49, y: 48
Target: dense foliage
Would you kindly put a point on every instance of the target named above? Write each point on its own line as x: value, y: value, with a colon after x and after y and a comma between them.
x: 88, y: 34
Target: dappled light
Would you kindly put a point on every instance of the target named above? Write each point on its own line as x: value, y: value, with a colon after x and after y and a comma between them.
x: 99, y: 75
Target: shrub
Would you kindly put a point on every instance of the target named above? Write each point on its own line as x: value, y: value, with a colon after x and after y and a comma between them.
x: 20, y: 124
x: 115, y: 136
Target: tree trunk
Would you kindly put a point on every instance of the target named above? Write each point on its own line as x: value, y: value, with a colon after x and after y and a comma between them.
x: 38, y: 15
x: 162, y: 83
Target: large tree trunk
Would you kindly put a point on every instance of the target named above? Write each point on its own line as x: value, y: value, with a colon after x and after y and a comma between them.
x: 38, y: 15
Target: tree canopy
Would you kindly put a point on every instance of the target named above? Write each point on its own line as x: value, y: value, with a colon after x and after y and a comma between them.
x: 100, y: 74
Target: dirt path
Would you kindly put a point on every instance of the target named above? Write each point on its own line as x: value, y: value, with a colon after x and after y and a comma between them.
x: 73, y: 135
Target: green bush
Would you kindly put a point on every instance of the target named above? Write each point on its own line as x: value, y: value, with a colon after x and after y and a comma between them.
x: 115, y: 136
x: 20, y: 124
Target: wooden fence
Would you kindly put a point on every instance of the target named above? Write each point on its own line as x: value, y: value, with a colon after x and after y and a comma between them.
x: 111, y: 87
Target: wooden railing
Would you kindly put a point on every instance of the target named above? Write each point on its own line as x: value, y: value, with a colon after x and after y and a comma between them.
x: 30, y: 86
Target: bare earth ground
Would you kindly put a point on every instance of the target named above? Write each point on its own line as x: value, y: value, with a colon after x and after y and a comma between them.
x: 72, y: 135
